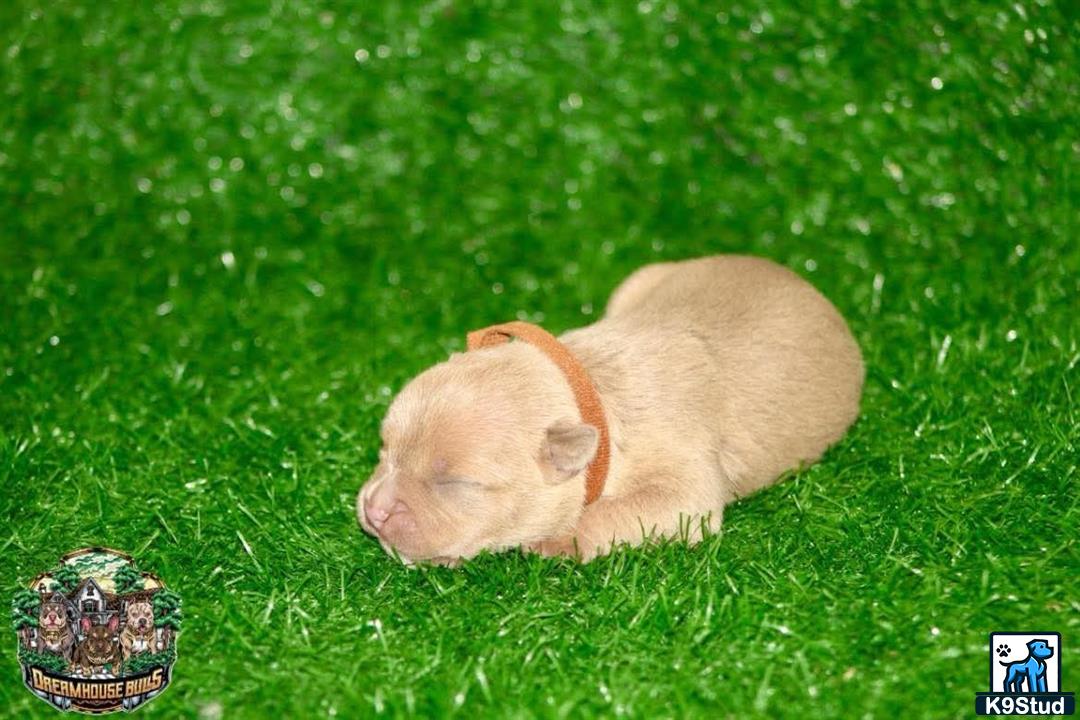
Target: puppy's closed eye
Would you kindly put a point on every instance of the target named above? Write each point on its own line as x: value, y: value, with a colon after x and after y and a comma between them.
x: 457, y: 483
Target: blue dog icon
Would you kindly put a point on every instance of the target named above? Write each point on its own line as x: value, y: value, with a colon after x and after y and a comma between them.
x: 1032, y: 669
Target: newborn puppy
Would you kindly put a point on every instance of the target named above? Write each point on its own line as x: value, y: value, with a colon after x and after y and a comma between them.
x: 715, y: 376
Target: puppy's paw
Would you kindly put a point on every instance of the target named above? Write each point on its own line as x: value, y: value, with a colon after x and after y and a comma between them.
x: 576, y: 547
x: 553, y: 547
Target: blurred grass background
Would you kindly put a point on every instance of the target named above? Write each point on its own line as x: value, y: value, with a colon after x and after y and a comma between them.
x: 229, y: 232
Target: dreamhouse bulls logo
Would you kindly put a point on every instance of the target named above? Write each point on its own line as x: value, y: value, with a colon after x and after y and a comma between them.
x: 96, y: 635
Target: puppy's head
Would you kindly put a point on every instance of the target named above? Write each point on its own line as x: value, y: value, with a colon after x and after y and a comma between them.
x: 139, y: 617
x: 483, y: 451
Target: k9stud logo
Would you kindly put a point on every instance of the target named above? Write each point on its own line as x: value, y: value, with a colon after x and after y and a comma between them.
x: 96, y: 635
x: 1025, y: 676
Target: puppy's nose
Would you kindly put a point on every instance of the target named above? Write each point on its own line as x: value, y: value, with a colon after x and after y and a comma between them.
x: 377, y: 514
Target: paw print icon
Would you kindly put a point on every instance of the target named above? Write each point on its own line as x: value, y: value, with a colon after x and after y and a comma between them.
x: 1003, y: 650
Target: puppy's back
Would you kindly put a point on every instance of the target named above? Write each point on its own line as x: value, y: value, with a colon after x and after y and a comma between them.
x: 784, y: 373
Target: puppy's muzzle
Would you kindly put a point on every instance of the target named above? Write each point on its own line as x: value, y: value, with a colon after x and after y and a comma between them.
x: 380, y: 515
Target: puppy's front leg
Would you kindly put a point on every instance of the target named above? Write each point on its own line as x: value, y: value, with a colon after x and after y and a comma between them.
x: 649, y: 513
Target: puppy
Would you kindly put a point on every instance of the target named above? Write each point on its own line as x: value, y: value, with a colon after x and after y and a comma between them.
x: 54, y: 631
x: 715, y: 376
x: 138, y: 633
x: 98, y: 648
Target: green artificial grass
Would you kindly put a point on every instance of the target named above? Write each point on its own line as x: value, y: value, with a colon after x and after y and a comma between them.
x: 230, y: 231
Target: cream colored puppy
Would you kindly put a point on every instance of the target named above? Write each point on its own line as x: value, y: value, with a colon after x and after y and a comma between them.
x: 716, y: 376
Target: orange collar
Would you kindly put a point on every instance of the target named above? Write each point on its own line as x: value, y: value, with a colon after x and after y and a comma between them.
x: 588, y: 399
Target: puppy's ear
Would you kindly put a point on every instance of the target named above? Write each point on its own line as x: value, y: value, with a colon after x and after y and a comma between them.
x: 570, y: 446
